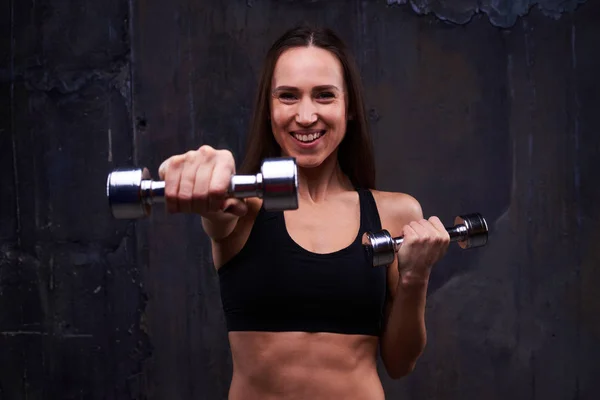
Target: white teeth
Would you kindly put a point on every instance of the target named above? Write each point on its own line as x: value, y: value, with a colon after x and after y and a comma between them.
x: 307, y: 138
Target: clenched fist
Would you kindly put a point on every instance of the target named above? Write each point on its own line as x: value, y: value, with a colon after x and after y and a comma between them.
x: 198, y: 181
x: 425, y: 243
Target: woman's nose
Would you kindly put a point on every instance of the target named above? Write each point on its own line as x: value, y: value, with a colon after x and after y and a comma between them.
x: 307, y: 113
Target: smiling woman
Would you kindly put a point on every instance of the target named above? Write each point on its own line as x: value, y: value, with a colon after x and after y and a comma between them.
x: 305, y: 310
x: 312, y: 71
x: 308, y: 105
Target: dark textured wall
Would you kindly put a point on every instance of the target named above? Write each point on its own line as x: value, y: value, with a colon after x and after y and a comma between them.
x: 496, y: 113
x: 503, y: 13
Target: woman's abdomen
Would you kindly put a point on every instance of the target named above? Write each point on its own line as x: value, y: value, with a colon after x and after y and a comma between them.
x: 298, y: 365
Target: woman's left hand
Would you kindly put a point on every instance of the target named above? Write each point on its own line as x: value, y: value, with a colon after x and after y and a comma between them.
x: 425, y: 243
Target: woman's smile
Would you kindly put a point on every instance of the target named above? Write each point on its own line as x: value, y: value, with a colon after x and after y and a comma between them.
x: 307, y: 138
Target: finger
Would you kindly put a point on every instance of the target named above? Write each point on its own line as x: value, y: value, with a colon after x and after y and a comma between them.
x: 433, y: 233
x: 172, y: 174
x: 200, y: 195
x: 421, y: 230
x: 219, y: 183
x: 406, y: 252
x: 443, y: 237
x: 187, y: 184
x: 437, y: 224
x: 162, y: 169
x: 409, y: 235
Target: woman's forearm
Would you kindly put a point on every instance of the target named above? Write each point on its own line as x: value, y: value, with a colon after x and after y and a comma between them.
x: 405, y: 335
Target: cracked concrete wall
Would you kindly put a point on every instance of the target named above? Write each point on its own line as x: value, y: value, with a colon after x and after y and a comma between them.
x: 71, y: 297
x: 96, y: 308
x: 501, y: 13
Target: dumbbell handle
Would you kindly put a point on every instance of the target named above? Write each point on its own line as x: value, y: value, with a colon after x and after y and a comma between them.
x: 457, y: 233
x: 240, y: 186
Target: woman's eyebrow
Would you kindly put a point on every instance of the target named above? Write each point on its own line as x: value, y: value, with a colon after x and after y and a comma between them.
x: 326, y: 87
x: 295, y: 89
x: 285, y: 88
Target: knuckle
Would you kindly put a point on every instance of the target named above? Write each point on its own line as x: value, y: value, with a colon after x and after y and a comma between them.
x: 175, y: 162
x: 164, y: 167
x: 206, y: 151
x: 170, y: 194
x: 225, y: 158
x: 200, y: 197
x: 221, y: 187
x: 217, y: 190
x: 185, y: 195
x: 185, y: 190
x: 190, y: 156
x: 224, y: 153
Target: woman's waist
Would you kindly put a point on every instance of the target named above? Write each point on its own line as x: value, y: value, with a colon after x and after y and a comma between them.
x: 301, y: 383
x: 273, y: 361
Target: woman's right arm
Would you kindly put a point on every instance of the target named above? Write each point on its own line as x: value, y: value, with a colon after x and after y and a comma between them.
x: 197, y: 182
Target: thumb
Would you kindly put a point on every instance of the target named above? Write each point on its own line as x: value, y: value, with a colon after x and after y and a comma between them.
x: 237, y: 207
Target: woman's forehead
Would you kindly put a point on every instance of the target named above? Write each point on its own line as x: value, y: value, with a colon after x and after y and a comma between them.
x: 308, y: 66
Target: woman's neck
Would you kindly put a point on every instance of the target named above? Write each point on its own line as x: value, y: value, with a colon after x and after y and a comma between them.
x: 316, y: 184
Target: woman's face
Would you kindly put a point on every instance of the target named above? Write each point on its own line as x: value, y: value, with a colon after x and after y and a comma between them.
x: 308, y: 105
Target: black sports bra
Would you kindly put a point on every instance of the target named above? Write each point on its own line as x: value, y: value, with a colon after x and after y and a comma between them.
x: 273, y: 284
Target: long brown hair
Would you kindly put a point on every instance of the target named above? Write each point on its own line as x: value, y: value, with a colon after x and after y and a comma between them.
x: 355, y: 153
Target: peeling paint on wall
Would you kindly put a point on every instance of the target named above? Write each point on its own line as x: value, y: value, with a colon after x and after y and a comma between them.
x: 502, y: 13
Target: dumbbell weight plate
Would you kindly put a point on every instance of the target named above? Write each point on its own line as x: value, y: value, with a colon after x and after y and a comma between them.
x: 379, y: 247
x: 124, y: 192
x: 477, y: 227
x: 280, y: 184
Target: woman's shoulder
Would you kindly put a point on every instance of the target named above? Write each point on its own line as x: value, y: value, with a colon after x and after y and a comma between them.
x: 396, y: 209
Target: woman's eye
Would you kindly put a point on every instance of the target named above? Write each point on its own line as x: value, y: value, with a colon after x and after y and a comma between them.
x: 326, y: 95
x: 287, y: 96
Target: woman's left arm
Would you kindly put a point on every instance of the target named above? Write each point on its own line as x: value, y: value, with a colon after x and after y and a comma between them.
x: 425, y: 243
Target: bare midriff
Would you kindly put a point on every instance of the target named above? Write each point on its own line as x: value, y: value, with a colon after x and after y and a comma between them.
x: 299, y: 365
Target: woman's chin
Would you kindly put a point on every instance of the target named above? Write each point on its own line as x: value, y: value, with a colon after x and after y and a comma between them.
x: 309, y: 161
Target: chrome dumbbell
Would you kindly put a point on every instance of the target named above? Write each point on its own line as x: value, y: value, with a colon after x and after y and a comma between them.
x: 470, y: 230
x: 132, y: 192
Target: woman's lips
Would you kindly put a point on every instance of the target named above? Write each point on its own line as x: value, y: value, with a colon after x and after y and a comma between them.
x: 308, y: 137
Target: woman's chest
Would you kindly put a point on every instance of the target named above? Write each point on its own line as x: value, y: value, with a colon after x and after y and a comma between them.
x: 324, y: 230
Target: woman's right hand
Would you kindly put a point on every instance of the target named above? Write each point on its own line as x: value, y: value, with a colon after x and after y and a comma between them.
x: 198, y: 181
